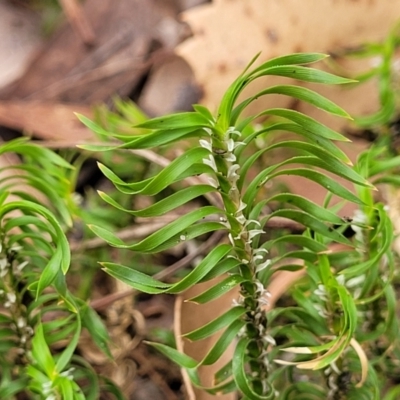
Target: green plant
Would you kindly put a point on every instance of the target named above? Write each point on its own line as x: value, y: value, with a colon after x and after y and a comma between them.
x: 321, y: 333
x: 40, y: 320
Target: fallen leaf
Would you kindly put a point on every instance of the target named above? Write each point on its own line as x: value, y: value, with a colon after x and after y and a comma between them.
x: 228, y: 33
x: 50, y: 121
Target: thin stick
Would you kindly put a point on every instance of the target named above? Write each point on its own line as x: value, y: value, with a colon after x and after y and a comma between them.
x: 78, y: 21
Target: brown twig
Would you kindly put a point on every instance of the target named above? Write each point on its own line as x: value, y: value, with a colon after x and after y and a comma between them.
x: 76, y: 17
x: 146, y: 367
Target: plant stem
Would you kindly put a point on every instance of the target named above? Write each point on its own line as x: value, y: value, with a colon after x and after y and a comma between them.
x: 242, y: 232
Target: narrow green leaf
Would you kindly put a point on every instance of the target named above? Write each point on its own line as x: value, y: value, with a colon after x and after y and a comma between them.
x: 7, y: 345
x: 299, y: 254
x: 311, y: 222
x: 290, y: 59
x: 150, y: 285
x: 229, y: 98
x: 385, y: 243
x: 205, y: 266
x: 379, y: 166
x: 108, y: 236
x: 224, y: 266
x: 382, y: 116
x: 174, y: 228
x: 27, y: 220
x: 40, y: 154
x: 57, y: 324
x: 13, y: 387
x: 176, y: 121
x: 129, y: 277
x: 133, y: 276
x: 190, y: 233
x: 322, y: 159
x: 49, y: 273
x: 300, y: 93
x: 334, y: 166
x: 307, y: 122
x: 165, y: 205
x: 242, y: 378
x: 223, y: 373
x: 217, y: 324
x: 192, y: 170
x: 5, y: 319
x: 393, y: 393
x: 97, y: 147
x: 38, y: 377
x: 304, y: 74
x: 66, y: 355
x: 302, y: 241
x: 307, y: 206
x: 162, y: 235
x: 3, y: 196
x: 161, y: 137
x: 328, y: 183
x: 59, y: 236
x: 41, y: 352
x: 177, y: 357
x: 218, y: 290
x: 224, y: 341
x: 204, y: 111
x: 98, y: 331
x: 92, y: 125
x: 167, y: 175
x: 64, y: 386
x: 316, y: 138
x: 110, y: 175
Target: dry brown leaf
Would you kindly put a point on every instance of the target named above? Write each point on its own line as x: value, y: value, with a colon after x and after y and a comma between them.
x: 126, y: 35
x: 50, y: 121
x: 228, y: 33
x: 170, y: 87
x: 20, y: 38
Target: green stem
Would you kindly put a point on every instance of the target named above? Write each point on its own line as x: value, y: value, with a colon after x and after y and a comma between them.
x: 242, y: 232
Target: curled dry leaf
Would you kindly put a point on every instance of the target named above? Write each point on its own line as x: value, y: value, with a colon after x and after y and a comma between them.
x: 46, y: 120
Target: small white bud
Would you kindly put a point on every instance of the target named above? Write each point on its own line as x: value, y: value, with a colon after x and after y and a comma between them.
x: 3, y: 263
x: 355, y: 281
x: 210, y: 161
x: 241, y: 207
x: 212, y: 182
x: 11, y: 297
x: 21, y: 266
x: 263, y: 265
x: 241, y: 219
x: 230, y: 144
x: 230, y: 157
x: 269, y: 339
x: 232, y: 171
x: 21, y: 322
x: 205, y: 144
